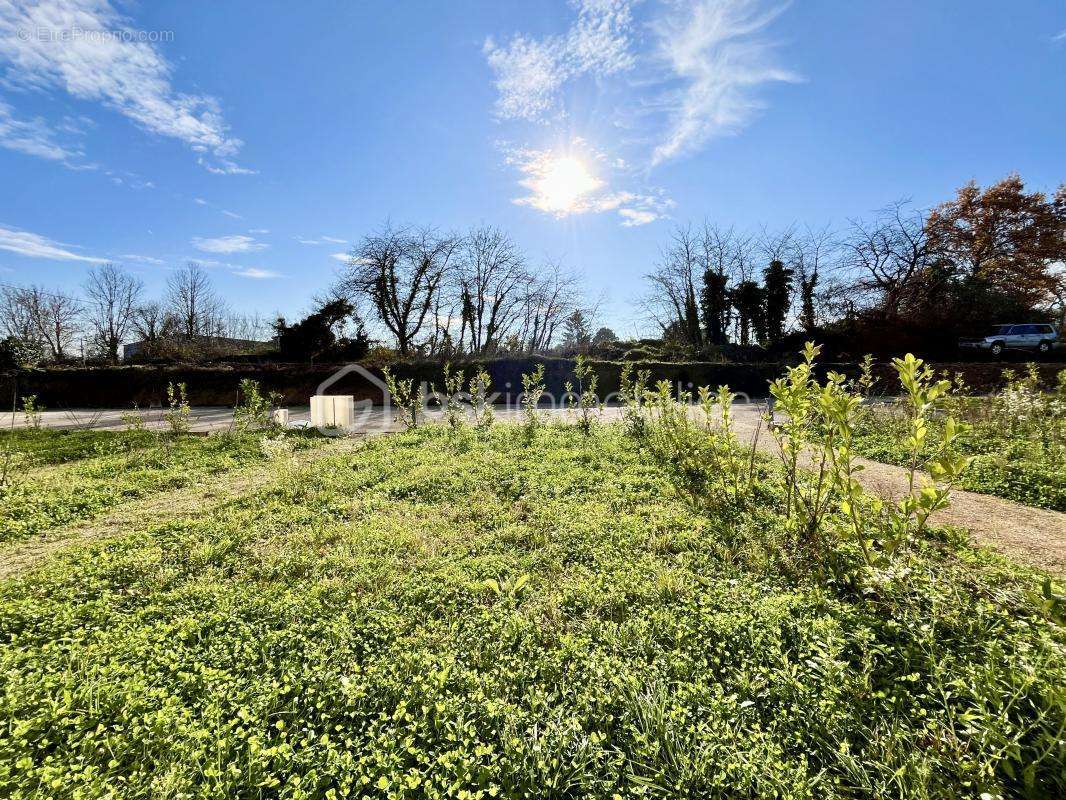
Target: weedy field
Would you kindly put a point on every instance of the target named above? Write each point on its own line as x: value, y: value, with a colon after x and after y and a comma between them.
x: 1017, y: 438
x: 639, y: 609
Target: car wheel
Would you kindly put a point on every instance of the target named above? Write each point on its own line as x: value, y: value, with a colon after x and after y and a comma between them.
x: 1044, y: 347
x: 997, y: 349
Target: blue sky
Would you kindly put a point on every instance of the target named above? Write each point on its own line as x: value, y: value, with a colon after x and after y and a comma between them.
x: 263, y: 138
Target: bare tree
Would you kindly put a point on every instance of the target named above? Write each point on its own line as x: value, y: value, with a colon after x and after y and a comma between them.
x: 673, y: 300
x: 815, y: 254
x: 152, y: 325
x: 248, y: 327
x: 56, y: 317
x: 887, y: 255
x: 17, y: 321
x: 400, y: 272
x: 778, y: 245
x: 492, y: 282
x: 193, y: 304
x: 16, y: 314
x: 551, y: 297
x: 113, y: 296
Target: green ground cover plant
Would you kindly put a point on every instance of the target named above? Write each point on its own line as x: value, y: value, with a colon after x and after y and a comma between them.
x: 532, y: 611
x: 57, y: 478
x: 1017, y: 438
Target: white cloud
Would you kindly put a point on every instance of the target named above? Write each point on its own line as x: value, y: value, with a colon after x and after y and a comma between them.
x: 232, y: 214
x: 320, y: 240
x: 257, y: 274
x: 140, y: 259
x: 225, y: 167
x: 200, y: 201
x: 530, y: 72
x: 237, y: 243
x: 1058, y: 37
x: 342, y: 257
x: 33, y: 137
x: 121, y: 72
x: 34, y: 245
x: 259, y: 230
x: 711, y: 51
x: 635, y: 216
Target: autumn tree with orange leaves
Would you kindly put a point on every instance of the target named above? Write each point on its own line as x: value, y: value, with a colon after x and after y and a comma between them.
x: 998, y: 245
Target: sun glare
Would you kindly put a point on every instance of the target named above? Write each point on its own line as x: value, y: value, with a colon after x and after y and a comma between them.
x: 562, y: 184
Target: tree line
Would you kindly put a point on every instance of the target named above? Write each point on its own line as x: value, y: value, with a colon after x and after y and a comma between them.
x: 986, y: 256
x: 190, y: 320
x: 900, y: 279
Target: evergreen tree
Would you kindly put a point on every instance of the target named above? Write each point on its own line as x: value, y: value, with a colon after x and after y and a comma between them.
x: 749, y: 300
x: 807, y: 286
x: 577, y: 337
x: 604, y: 337
x: 777, y: 280
x: 714, y: 302
x: 320, y: 334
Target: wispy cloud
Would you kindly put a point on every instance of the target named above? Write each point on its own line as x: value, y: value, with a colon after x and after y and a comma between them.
x: 33, y: 245
x: 257, y: 274
x: 139, y: 259
x: 344, y: 258
x: 259, y: 231
x: 530, y: 72
x: 33, y: 137
x: 320, y: 240
x: 224, y: 166
x: 123, y: 73
x: 238, y: 243
x: 202, y: 202
x: 713, y: 52
x: 1059, y: 37
x: 694, y: 71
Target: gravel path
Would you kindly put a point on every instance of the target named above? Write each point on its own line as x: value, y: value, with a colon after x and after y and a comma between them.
x: 1033, y: 536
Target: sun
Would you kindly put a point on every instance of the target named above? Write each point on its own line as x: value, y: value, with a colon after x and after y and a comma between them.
x: 561, y: 184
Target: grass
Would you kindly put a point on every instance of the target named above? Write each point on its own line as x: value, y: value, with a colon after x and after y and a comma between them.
x: 515, y: 614
x: 63, y: 477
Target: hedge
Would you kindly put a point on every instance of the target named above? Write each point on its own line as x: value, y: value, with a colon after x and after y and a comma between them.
x: 216, y: 385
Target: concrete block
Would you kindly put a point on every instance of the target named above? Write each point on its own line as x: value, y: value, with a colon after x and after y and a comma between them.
x: 333, y: 411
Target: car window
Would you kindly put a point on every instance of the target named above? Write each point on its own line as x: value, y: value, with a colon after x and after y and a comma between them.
x: 1044, y: 329
x: 1012, y: 330
x: 1023, y: 330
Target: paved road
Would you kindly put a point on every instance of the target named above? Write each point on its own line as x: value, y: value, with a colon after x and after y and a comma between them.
x: 218, y: 418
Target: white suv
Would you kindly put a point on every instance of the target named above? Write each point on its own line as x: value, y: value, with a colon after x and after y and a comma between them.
x: 1039, y: 337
